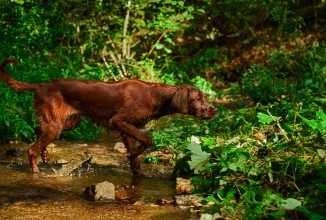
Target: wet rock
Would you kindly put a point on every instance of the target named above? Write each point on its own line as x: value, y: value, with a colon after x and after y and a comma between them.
x: 14, y: 153
x: 95, y: 149
x: 61, y: 161
x: 114, y: 160
x: 163, y: 157
x: 156, y: 170
x: 206, y: 216
x: 100, y: 191
x: 72, y: 165
x: 120, y: 148
x: 162, y: 202
x: 183, y: 186
x: 124, y: 192
x: 138, y: 203
x: 188, y: 200
x: 51, y: 145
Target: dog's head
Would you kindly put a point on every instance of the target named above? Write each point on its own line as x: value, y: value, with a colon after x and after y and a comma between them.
x: 190, y: 100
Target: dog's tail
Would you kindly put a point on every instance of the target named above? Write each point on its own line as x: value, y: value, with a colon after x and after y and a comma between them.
x: 12, y: 82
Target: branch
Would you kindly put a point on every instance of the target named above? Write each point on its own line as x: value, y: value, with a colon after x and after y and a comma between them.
x: 124, y: 35
x: 107, y: 65
x: 158, y: 40
x: 279, y: 126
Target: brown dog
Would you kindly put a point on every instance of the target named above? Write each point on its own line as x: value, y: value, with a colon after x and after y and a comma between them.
x: 123, y: 105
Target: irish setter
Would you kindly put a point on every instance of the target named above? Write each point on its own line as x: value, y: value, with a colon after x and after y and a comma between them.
x: 124, y: 105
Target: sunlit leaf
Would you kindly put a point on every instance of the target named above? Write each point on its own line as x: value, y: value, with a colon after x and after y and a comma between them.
x: 199, y: 158
x: 159, y: 46
x: 321, y: 153
x: 211, y: 199
x: 311, y: 123
x: 270, y: 176
x: 321, y: 115
x: 289, y: 203
x: 233, y: 166
x: 180, y: 3
x: 223, y: 182
x: 266, y: 119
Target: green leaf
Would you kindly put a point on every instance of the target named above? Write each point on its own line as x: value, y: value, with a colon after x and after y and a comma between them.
x: 199, y: 158
x: 211, y: 199
x: 322, y: 100
x: 311, y: 123
x: 224, y: 169
x: 202, y: 11
x: 244, y: 110
x: 321, y: 153
x: 287, y: 128
x: 223, y: 182
x: 167, y: 50
x: 266, y: 119
x: 320, y: 115
x: 159, y: 46
x: 270, y: 176
x: 289, y: 203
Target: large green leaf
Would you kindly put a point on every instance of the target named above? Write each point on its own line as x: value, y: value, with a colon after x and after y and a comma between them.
x: 199, y: 158
x: 319, y: 124
x: 289, y: 203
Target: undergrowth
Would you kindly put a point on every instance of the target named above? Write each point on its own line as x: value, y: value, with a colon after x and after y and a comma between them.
x: 266, y: 160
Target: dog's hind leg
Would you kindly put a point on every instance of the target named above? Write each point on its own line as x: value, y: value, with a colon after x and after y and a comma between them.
x: 47, y: 134
x: 44, y: 154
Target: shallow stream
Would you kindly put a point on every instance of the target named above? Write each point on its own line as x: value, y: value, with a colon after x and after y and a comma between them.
x: 25, y: 196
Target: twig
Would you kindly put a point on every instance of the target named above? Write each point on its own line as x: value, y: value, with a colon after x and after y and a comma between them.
x: 279, y: 126
x: 125, y: 29
x: 158, y: 40
x: 116, y: 63
x: 107, y: 65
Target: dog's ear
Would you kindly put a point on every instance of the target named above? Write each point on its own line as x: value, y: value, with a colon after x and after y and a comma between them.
x: 180, y: 100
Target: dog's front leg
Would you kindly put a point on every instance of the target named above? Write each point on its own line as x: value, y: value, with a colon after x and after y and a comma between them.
x: 130, y: 144
x: 130, y: 135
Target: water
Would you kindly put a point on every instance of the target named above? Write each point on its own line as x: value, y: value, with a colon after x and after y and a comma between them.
x: 25, y: 196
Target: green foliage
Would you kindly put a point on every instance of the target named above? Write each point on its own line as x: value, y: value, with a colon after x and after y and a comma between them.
x: 265, y: 170
x: 319, y: 123
x: 15, y: 118
x: 86, y: 130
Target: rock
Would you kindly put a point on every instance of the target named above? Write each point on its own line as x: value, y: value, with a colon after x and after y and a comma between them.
x: 14, y: 153
x: 138, y: 203
x: 61, y: 161
x: 162, y: 202
x: 51, y: 145
x: 120, y: 148
x: 101, y: 191
x: 124, y: 192
x: 75, y: 163
x: 188, y: 200
x: 108, y: 160
x: 183, y: 186
x: 206, y: 216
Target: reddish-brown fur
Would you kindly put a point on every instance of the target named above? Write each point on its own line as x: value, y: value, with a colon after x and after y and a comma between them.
x: 123, y: 105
